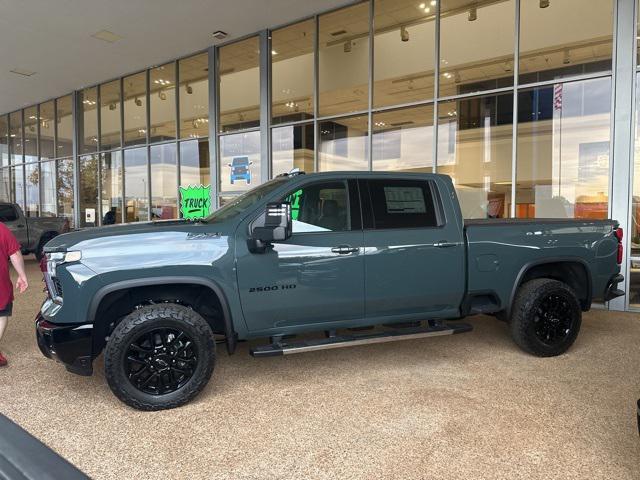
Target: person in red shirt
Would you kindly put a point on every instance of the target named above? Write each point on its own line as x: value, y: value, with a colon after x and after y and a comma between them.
x: 9, y: 250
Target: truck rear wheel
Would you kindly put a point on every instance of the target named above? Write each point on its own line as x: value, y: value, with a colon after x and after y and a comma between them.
x: 159, y: 357
x: 546, y: 317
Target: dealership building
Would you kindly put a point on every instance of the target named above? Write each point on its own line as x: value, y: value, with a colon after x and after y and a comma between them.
x: 529, y: 105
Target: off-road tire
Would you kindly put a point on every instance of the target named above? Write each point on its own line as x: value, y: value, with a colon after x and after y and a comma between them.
x: 143, y: 320
x: 527, y: 315
x: 43, y: 241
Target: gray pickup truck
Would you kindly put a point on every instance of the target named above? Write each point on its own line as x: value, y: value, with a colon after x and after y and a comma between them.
x: 346, y: 258
x: 32, y: 232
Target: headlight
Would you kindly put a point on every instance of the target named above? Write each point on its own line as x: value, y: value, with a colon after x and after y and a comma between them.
x: 58, y: 258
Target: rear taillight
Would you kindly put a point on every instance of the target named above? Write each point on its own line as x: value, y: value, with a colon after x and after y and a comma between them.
x: 619, y: 235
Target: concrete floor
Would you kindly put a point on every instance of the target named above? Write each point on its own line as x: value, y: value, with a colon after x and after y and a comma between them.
x: 468, y: 406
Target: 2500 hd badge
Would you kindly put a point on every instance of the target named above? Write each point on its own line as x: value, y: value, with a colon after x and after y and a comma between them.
x: 365, y: 257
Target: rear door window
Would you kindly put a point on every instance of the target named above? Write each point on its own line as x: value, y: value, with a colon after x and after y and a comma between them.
x: 8, y: 213
x: 402, y: 204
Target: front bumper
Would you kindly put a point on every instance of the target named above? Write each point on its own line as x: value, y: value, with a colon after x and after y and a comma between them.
x: 68, y: 344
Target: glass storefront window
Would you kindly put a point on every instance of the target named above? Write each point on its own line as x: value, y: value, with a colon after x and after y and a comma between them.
x: 17, y: 185
x: 194, y: 96
x: 88, y: 120
x: 344, y: 60
x: 47, y: 130
x: 164, y: 181
x: 564, y: 132
x: 475, y: 150
x: 4, y: 140
x: 292, y: 71
x: 111, y: 185
x: 403, y: 140
x: 239, y: 68
x: 32, y: 189
x: 476, y: 45
x: 194, y: 163
x: 344, y: 144
x: 239, y: 161
x: 64, y: 120
x: 564, y: 38
x: 135, y: 109
x: 403, y: 51
x: 89, y: 213
x: 292, y: 147
x: 31, y: 134
x: 5, y: 184
x: 48, y: 181
x: 110, y: 115
x: 136, y: 185
x: 634, y: 227
x: 15, y: 137
x: 162, y: 101
x: 64, y: 188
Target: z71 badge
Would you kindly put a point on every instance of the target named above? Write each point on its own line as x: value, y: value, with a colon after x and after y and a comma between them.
x: 272, y: 288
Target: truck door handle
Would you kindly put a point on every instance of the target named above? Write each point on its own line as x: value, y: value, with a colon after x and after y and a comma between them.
x: 444, y: 244
x: 20, y: 226
x: 345, y: 249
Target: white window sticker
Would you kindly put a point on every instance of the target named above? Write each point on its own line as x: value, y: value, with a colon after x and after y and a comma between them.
x: 405, y: 200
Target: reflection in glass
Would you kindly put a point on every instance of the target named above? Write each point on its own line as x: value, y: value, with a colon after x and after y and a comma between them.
x: 292, y: 147
x: 162, y: 99
x: 403, y: 140
x: 240, y: 85
x: 563, y: 150
x: 239, y: 161
x: 474, y: 149
x: 89, y: 213
x: 64, y: 187
x: 476, y: 45
x: 343, y: 144
x: 17, y: 185
x: 136, y: 185
x: 403, y: 52
x: 64, y: 120
x: 15, y: 137
x: 568, y: 37
x: 292, y: 69
x: 135, y: 109
x: 194, y: 163
x: 32, y: 190
x: 110, y: 115
x: 88, y: 120
x: 111, y: 183
x: 31, y: 134
x: 344, y: 60
x: 48, y: 181
x: 4, y: 140
x: 47, y: 130
x: 634, y: 283
x: 634, y: 227
x: 194, y: 96
x: 164, y: 181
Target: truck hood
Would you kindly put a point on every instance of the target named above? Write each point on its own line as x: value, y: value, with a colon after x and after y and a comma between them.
x: 127, y: 233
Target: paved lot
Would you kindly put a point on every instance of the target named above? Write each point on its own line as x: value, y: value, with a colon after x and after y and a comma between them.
x: 468, y: 406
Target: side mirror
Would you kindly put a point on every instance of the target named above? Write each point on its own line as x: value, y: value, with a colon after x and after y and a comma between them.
x: 277, y: 227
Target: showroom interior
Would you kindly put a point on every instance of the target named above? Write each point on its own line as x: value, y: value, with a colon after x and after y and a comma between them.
x: 529, y: 105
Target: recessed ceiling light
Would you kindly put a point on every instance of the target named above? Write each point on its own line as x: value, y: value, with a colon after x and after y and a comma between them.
x: 220, y: 35
x: 273, y: 52
x: 22, y: 71
x: 106, y: 36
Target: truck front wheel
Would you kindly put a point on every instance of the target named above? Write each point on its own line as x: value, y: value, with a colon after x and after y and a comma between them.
x: 159, y: 356
x: 546, y: 317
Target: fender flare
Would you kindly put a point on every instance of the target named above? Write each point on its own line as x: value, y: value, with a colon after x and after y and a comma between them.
x: 230, y: 333
x: 535, y: 263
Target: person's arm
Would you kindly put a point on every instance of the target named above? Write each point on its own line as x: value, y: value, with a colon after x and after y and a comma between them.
x: 18, y: 263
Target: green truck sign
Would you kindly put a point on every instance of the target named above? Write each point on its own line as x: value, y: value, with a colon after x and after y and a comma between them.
x: 195, y: 201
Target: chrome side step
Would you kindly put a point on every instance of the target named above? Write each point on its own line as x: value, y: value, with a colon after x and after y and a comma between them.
x: 339, y: 341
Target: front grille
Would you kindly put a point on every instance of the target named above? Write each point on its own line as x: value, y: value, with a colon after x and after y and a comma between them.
x: 58, y: 286
x: 53, y: 286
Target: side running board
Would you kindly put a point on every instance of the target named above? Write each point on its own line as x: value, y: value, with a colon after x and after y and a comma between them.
x: 339, y: 341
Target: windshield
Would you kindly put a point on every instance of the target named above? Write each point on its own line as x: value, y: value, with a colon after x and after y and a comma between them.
x: 245, y: 200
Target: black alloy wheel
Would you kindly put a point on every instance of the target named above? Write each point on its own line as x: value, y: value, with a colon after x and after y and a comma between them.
x: 553, y: 320
x: 161, y: 361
